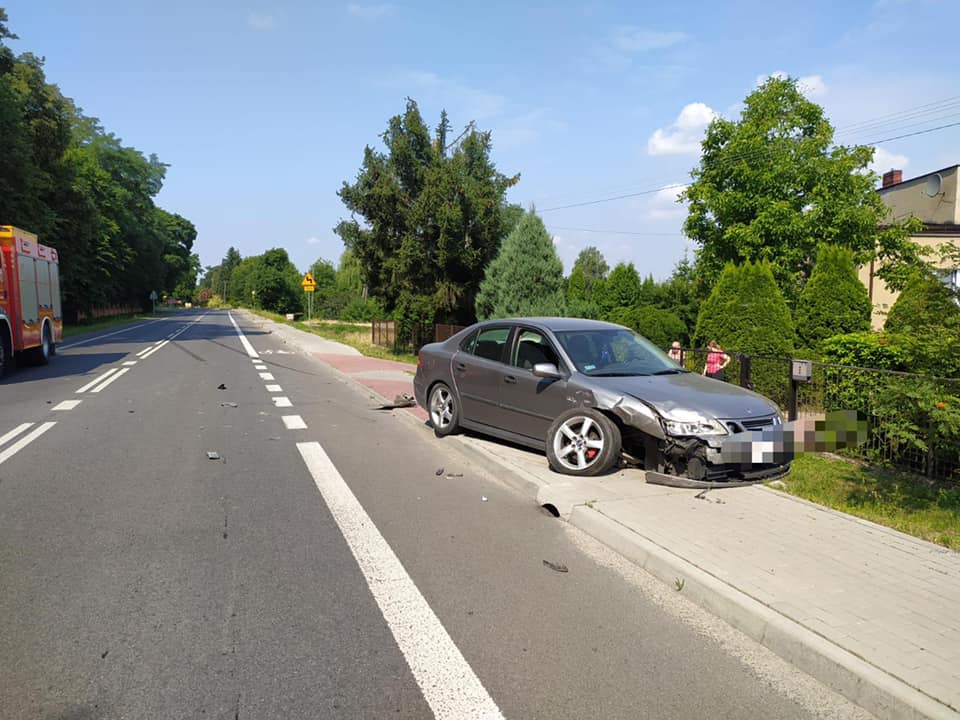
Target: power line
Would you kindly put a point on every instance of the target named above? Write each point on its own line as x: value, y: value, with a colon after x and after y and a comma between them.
x: 616, y: 232
x: 728, y: 161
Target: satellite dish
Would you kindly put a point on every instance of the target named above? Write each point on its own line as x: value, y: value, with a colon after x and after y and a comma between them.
x: 932, y: 188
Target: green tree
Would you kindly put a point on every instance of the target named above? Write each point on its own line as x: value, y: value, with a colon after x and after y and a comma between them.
x: 660, y: 326
x: 772, y: 186
x: 925, y: 320
x: 834, y: 301
x: 526, y: 277
x: 431, y: 217
x: 621, y: 289
x: 679, y: 295
x: 585, y: 284
x: 746, y: 312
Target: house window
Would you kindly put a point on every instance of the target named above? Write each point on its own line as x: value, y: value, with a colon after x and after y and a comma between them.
x: 951, y: 278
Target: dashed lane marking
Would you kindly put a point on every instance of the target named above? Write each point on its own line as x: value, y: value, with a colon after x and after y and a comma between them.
x: 24, y: 441
x: 67, y: 405
x: 130, y: 363
x: 274, y: 388
x: 267, y: 376
x: 294, y: 422
x: 110, y: 379
x: 13, y: 433
x: 90, y: 384
x: 281, y: 401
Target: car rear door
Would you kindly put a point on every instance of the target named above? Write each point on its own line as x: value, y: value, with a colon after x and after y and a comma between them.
x: 528, y: 404
x: 478, y: 370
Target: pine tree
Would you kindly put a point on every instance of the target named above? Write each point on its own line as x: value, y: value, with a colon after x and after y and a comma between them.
x: 925, y: 320
x: 834, y: 301
x: 526, y: 277
x: 622, y: 289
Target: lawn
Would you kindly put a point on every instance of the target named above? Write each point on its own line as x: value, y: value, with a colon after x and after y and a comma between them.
x: 356, y: 335
x: 897, y: 500
x: 84, y: 328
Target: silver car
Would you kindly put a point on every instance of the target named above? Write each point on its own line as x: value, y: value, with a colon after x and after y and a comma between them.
x: 591, y: 393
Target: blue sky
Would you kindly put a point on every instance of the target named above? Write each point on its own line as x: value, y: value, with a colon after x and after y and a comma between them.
x: 262, y: 109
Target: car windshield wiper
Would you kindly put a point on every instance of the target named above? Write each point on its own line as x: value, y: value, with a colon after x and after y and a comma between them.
x: 671, y: 371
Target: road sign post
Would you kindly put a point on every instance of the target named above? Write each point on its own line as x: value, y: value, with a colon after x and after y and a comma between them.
x: 153, y: 300
x: 309, y: 286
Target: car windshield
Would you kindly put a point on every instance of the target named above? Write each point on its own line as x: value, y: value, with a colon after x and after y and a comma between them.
x: 615, y: 352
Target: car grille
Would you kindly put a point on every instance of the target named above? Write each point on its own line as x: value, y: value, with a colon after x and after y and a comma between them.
x: 750, y: 424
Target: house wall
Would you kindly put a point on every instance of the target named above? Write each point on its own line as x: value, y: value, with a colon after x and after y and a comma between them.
x: 909, y: 198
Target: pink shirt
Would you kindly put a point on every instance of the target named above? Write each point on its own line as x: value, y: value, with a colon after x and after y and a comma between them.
x: 714, y: 361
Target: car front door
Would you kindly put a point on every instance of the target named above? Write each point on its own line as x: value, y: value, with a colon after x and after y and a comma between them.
x: 478, y: 370
x: 528, y: 404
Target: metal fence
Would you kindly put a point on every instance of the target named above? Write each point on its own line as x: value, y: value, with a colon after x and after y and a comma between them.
x: 913, y: 420
x: 385, y: 334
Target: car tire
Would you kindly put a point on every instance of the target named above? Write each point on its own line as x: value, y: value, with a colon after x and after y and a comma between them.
x: 41, y: 354
x: 443, y: 409
x: 583, y: 441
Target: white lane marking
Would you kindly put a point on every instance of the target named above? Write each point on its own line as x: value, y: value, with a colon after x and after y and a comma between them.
x: 274, y: 388
x: 281, y: 401
x: 130, y: 363
x: 90, y: 384
x: 258, y: 359
x: 294, y: 422
x: 109, y: 380
x: 145, y: 350
x: 243, y: 339
x: 259, y: 367
x: 267, y: 376
x: 447, y: 681
x: 24, y: 441
x: 116, y: 332
x: 153, y: 350
x: 67, y: 405
x: 13, y: 433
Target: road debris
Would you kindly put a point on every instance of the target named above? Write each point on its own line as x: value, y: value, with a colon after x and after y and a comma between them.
x: 403, y: 400
x: 483, y: 498
x: 454, y: 475
x: 439, y: 472
x: 213, y: 455
x: 228, y: 404
x: 558, y: 567
x: 702, y: 495
x: 221, y: 386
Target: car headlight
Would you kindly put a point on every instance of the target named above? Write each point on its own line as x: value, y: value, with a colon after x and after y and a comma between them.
x: 686, y: 422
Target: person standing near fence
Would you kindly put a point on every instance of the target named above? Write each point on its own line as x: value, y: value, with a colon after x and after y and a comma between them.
x: 676, y: 353
x: 717, y: 361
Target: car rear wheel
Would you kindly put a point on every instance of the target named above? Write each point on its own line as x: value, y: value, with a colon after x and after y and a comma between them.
x: 583, y: 441
x: 444, y: 414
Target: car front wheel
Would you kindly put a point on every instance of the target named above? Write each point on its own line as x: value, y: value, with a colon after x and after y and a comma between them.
x: 442, y: 407
x: 583, y: 441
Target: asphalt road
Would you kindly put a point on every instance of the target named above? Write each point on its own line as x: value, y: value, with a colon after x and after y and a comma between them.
x: 320, y: 572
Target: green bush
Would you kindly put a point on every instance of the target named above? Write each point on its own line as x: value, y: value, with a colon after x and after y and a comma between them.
x: 927, y: 319
x: 358, y: 310
x: 833, y: 301
x: 659, y: 326
x: 866, y: 350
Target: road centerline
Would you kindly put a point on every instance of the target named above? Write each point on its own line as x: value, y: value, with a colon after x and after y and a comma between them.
x: 26, y: 440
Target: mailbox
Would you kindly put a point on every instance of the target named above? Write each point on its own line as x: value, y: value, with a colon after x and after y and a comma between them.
x: 802, y: 371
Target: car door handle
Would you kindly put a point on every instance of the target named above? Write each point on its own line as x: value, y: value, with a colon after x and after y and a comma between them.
x: 460, y: 367
x: 510, y: 380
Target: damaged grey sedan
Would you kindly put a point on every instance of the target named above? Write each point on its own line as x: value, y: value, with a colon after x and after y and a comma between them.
x: 591, y: 395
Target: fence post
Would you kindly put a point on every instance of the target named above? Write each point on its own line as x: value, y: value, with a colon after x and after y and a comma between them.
x: 792, y: 400
x: 745, y: 367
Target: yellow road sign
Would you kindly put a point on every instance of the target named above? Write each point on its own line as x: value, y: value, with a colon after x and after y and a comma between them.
x: 308, y: 283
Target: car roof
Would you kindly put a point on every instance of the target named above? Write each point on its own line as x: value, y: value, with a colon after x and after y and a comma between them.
x: 556, y: 324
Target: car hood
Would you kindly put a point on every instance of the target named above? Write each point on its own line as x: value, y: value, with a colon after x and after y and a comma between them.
x: 688, y: 391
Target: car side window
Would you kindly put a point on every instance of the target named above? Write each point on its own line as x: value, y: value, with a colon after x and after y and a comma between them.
x: 532, y: 348
x: 490, y: 343
x: 467, y: 345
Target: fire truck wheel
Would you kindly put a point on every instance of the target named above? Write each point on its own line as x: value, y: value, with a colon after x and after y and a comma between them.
x: 6, y: 357
x: 41, y: 354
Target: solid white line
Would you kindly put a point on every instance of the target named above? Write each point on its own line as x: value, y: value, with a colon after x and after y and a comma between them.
x: 90, y: 384
x: 259, y: 367
x: 447, y: 681
x: 24, y: 441
x: 153, y: 350
x: 294, y: 422
x: 130, y: 363
x: 13, y: 433
x: 243, y: 340
x: 67, y: 405
x: 274, y: 388
x: 145, y: 350
x: 116, y: 332
x: 281, y: 401
x: 267, y: 376
x: 106, y: 382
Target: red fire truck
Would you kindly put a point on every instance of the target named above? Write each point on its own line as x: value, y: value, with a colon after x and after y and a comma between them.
x: 31, y: 320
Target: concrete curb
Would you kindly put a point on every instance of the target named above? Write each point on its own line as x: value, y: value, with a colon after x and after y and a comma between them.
x: 862, y: 683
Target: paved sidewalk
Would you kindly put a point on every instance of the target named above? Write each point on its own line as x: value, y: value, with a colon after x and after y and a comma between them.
x: 871, y: 612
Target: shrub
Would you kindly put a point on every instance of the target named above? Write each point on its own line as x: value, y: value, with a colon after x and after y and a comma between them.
x: 866, y: 350
x: 659, y: 326
x: 833, y: 301
x: 927, y: 319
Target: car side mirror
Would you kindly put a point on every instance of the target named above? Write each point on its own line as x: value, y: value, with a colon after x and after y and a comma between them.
x: 546, y: 370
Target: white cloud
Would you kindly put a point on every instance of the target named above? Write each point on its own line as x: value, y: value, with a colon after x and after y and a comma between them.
x: 462, y: 99
x: 261, y: 21
x: 664, y: 204
x: 884, y: 160
x: 630, y: 39
x: 313, y: 241
x: 812, y: 86
x: 370, y: 12
x: 684, y: 135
